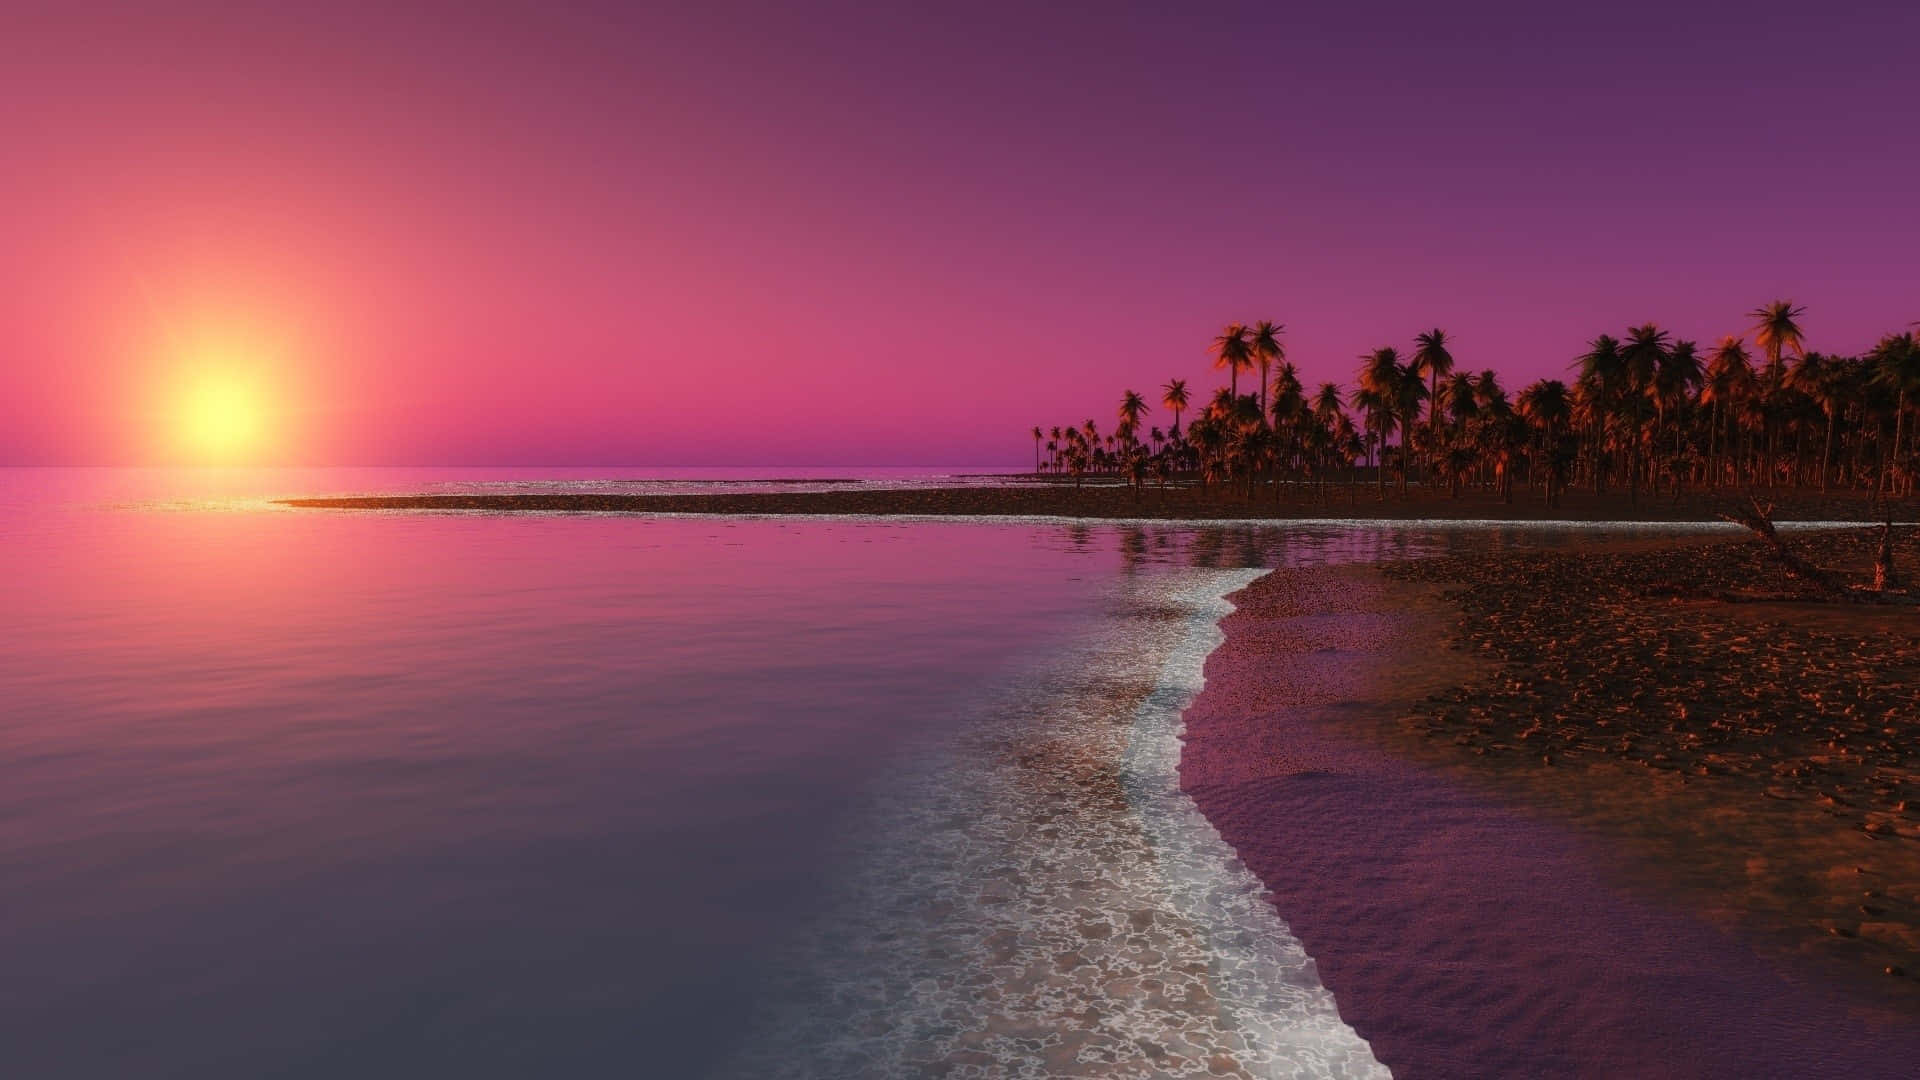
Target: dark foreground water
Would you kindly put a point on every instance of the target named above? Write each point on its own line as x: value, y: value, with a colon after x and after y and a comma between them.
x: 322, y: 794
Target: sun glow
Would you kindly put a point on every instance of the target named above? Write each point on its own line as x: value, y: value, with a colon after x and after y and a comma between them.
x: 223, y: 397
x: 221, y: 417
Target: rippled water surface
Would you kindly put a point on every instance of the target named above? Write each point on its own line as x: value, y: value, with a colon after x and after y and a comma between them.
x: 323, y: 793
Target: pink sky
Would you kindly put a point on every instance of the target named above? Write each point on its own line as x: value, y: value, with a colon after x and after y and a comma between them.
x: 744, y: 234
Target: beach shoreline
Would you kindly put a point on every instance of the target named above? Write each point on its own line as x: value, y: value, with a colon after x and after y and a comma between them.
x: 1467, y: 922
x: 1058, y: 903
x: 1041, y: 500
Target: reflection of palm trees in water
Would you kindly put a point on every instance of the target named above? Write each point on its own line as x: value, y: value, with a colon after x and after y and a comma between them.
x: 1133, y: 547
x: 1142, y: 548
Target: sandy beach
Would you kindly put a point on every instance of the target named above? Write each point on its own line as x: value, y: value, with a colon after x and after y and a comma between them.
x: 1641, y: 807
x: 1111, y: 502
x: 1477, y: 912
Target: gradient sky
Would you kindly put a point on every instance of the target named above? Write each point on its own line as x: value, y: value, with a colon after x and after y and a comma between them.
x: 897, y: 233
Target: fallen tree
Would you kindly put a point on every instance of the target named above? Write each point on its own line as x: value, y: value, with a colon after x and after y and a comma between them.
x: 1760, y: 523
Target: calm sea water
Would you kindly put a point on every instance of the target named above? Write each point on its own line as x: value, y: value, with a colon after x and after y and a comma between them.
x: 303, y: 793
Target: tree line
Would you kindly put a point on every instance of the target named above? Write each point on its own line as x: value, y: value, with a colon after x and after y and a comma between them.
x: 1643, y: 412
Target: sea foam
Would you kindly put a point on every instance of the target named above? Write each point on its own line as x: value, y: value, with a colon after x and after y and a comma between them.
x: 1040, y: 899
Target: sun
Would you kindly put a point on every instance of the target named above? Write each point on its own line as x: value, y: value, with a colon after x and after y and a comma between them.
x: 221, y: 417
x: 226, y: 380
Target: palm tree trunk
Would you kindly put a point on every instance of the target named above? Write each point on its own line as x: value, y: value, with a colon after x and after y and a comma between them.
x: 1826, y: 456
x: 1406, y: 451
x: 1770, y: 436
x: 1380, y: 459
x: 1899, y: 431
x: 1679, y: 451
x: 1594, y: 459
x: 1713, y: 440
x: 1433, y: 419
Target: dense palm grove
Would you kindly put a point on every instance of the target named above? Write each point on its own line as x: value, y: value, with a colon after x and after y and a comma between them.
x: 1643, y: 413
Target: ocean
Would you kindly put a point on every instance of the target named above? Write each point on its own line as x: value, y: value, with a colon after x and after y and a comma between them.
x: 315, y: 793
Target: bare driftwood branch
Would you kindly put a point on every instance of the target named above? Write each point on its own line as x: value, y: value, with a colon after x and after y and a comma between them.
x: 1760, y: 523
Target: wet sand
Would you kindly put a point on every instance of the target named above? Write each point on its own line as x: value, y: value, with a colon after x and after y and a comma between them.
x: 1467, y: 922
x: 1031, y: 915
x: 1763, y: 755
x: 1043, y: 499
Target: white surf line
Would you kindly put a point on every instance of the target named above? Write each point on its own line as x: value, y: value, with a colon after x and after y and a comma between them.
x: 1263, y: 976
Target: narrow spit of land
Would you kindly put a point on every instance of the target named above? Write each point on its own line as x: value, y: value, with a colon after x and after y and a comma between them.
x: 1174, y: 503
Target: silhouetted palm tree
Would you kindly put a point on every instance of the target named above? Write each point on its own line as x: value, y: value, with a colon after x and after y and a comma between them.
x: 1896, y: 361
x: 1330, y: 419
x: 1641, y: 409
x: 1777, y: 331
x: 1431, y: 358
x: 1728, y: 384
x: 1547, y: 406
x: 1174, y: 397
x: 1821, y: 379
x: 1232, y: 350
x: 1602, y: 372
x: 1675, y: 379
x: 1378, y: 397
x: 1265, y: 347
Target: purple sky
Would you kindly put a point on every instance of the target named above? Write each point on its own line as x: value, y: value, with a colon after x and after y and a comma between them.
x: 755, y: 233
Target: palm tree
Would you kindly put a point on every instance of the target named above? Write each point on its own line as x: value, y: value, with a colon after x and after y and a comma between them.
x: 1896, y: 361
x: 1329, y: 417
x: 1499, y: 432
x: 1378, y: 396
x: 1674, y: 382
x: 1456, y: 394
x: 1232, y: 350
x: 1776, y: 330
x: 1326, y: 402
x: 1644, y: 407
x: 1641, y: 357
x: 1266, y: 348
x: 1820, y: 378
x: 1224, y: 404
x: 1728, y: 383
x: 1602, y: 370
x: 1408, y: 393
x: 1546, y: 405
x: 1287, y: 411
x: 1430, y: 357
x: 1175, y: 399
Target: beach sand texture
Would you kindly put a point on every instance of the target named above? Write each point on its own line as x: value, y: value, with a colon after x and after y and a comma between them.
x: 1764, y: 755
x: 1464, y: 932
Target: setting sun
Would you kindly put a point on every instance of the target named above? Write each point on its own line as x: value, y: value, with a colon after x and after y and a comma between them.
x: 223, y: 389
x: 221, y: 418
